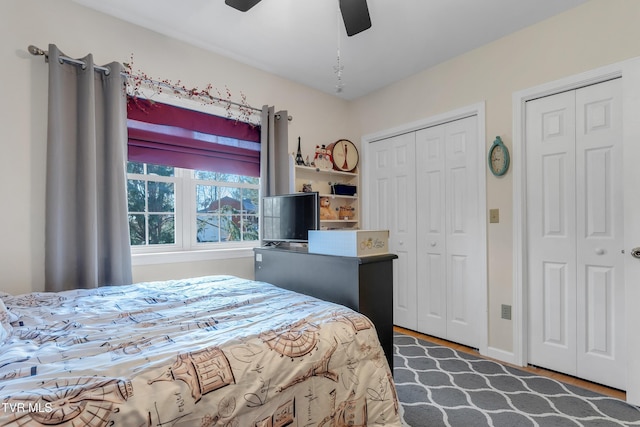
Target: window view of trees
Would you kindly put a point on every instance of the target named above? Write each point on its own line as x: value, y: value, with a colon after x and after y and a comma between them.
x: 224, y: 209
x: 151, y: 205
x: 226, y: 206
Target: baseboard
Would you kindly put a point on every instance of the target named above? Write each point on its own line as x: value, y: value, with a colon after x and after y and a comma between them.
x: 501, y: 355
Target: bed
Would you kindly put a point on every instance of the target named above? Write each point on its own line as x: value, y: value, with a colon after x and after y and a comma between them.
x: 208, y: 351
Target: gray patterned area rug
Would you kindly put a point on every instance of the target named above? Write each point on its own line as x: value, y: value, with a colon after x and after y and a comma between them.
x: 438, y: 386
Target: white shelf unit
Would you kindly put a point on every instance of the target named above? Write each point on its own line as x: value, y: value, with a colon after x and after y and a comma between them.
x: 321, y: 181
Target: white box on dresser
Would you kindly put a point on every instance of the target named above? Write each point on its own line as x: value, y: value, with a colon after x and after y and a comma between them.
x: 356, y: 243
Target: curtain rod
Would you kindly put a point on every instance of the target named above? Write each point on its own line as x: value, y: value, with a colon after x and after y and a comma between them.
x: 36, y: 51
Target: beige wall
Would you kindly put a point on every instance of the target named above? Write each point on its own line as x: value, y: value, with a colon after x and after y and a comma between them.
x: 600, y: 32
x: 23, y: 115
x: 241, y: 267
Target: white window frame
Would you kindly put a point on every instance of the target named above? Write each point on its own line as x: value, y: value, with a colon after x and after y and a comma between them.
x: 186, y: 248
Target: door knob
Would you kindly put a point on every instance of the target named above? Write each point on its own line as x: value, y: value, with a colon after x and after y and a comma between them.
x: 635, y: 252
x: 600, y: 251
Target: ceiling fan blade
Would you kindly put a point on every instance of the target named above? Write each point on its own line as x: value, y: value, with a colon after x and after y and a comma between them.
x: 355, y: 15
x: 242, y: 5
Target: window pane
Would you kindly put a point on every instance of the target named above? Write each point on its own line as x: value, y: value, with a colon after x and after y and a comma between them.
x: 230, y: 199
x: 230, y: 228
x: 206, y: 175
x: 249, y: 227
x: 250, y: 180
x: 161, y: 229
x: 250, y: 200
x: 160, y: 170
x: 136, y: 194
x: 134, y: 167
x: 226, y: 177
x: 208, y: 229
x: 137, y: 229
x: 206, y: 198
x: 161, y: 197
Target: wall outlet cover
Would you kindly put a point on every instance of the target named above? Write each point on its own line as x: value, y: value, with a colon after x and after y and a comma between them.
x: 506, y: 312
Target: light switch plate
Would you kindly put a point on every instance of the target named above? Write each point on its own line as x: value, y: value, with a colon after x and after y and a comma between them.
x: 494, y: 215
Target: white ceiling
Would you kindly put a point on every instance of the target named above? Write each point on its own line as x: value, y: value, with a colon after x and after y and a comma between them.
x: 298, y: 39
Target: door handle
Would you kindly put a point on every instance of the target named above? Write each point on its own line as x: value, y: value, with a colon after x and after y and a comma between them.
x: 635, y: 252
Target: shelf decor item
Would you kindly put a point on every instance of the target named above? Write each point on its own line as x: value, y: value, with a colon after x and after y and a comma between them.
x: 299, y: 159
x: 326, y: 212
x: 346, y: 212
x: 498, y: 157
x: 345, y: 155
x: 322, y: 159
x: 344, y: 189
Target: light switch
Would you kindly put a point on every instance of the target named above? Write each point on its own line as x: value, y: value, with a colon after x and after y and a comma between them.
x: 494, y: 215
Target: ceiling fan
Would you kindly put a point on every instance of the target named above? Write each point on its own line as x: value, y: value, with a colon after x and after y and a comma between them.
x: 355, y: 13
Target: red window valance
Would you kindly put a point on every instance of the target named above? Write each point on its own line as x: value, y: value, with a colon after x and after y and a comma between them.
x: 174, y: 136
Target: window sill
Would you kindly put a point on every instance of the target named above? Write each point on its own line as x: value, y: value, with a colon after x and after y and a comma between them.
x: 190, y: 256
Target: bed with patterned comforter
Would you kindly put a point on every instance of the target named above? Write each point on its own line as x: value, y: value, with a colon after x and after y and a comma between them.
x: 209, y: 351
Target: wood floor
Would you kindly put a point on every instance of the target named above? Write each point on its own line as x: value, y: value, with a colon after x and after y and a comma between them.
x: 619, y: 394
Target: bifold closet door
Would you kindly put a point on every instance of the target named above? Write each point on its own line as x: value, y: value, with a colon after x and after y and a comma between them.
x: 448, y: 231
x: 392, y: 206
x: 575, y: 233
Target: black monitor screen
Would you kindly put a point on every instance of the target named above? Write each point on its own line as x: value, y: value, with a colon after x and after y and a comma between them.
x: 289, y: 217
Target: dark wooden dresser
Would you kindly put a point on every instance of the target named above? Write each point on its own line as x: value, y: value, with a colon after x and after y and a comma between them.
x: 364, y: 284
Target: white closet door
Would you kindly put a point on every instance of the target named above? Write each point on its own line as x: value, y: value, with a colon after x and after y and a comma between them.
x: 393, y: 207
x: 448, y: 231
x: 463, y: 232
x: 600, y: 281
x: 574, y: 199
x: 550, y: 147
x: 431, y: 231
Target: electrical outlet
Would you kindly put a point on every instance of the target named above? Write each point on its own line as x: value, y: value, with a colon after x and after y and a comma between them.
x: 494, y: 215
x: 506, y: 312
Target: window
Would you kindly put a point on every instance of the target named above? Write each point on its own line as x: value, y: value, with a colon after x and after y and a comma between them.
x: 193, y: 179
x: 182, y: 209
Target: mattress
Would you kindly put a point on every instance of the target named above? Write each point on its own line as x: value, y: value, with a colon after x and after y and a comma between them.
x: 207, y: 351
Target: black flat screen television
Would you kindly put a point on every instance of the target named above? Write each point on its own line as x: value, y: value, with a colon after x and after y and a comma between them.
x: 289, y: 217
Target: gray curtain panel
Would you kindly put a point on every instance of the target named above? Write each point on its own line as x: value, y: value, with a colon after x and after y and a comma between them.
x: 274, y: 152
x: 267, y: 151
x: 86, y: 229
x: 281, y: 136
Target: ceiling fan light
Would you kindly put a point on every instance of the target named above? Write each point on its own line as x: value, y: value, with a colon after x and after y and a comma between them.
x: 242, y: 5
